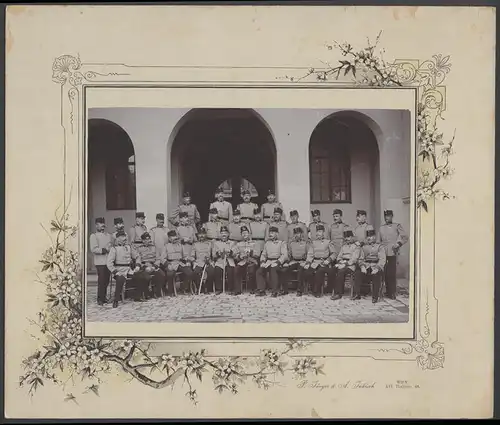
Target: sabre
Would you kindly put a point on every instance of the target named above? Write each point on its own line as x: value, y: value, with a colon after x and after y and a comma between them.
x: 224, y: 275
x: 201, y: 279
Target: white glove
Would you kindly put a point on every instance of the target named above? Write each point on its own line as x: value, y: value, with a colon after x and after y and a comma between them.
x: 363, y: 269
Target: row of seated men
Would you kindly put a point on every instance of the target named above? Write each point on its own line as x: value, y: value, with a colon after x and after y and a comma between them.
x: 308, y: 251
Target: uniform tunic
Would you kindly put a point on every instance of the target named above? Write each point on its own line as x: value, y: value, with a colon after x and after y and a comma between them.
x: 247, y: 210
x: 360, y: 233
x: 349, y: 253
x: 268, y: 210
x: 224, y: 211
x: 292, y: 226
x: 235, y: 231
x: 321, y: 250
x: 372, y: 255
x: 282, y: 230
x: 297, y: 252
x: 160, y: 238
x: 221, y: 250
x: 312, y: 230
x: 147, y: 255
x: 336, y: 232
x: 213, y: 229
x: 248, y: 252
x: 120, y: 258
x: 273, y: 252
x: 201, y: 252
x: 187, y: 235
x: 136, y: 233
x: 258, y: 230
x: 173, y: 255
x: 98, y: 241
x: 389, y: 235
x: 192, y: 211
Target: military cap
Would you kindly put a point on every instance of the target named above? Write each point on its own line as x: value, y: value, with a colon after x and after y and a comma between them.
x: 337, y: 211
x: 224, y: 229
x: 244, y: 229
x: 294, y: 212
x: 297, y: 230
x: 315, y: 213
x: 183, y: 214
x: 172, y: 233
x: 160, y: 216
x: 236, y: 212
x: 361, y: 212
x: 100, y: 220
x: 370, y: 232
x: 348, y: 233
x: 145, y: 235
x: 186, y: 195
x: 213, y: 211
x: 270, y: 192
x: 256, y: 210
x: 139, y: 215
x: 273, y: 229
x: 245, y: 192
x: 278, y: 210
x: 120, y: 233
x: 320, y: 227
x: 118, y: 220
x: 388, y: 212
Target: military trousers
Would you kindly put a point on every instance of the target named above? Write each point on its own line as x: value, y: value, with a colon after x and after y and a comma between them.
x: 247, y: 272
x: 390, y: 275
x: 369, y: 278
x: 187, y: 276
x: 340, y: 280
x: 220, y: 285
x: 288, y: 276
x: 208, y: 283
x: 103, y: 275
x: 157, y: 280
x: 275, y: 275
x: 319, y: 278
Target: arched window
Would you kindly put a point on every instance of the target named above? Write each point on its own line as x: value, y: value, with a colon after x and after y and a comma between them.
x: 330, y: 163
x: 227, y: 188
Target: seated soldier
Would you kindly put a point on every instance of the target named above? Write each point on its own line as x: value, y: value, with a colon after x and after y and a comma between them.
x: 202, y: 256
x: 273, y: 257
x: 371, y: 263
x: 347, y: 262
x: 247, y: 257
x: 298, y: 248
x: 150, y: 267
x: 213, y: 225
x: 223, y: 253
x: 121, y: 263
x: 320, y: 258
x: 173, y: 260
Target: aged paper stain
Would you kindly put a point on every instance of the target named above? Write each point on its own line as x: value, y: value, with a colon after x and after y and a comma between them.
x: 9, y: 40
x: 314, y: 414
x: 407, y: 11
x: 17, y: 10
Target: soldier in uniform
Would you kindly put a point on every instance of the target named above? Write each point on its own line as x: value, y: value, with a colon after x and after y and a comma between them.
x: 121, y: 262
x: 224, y: 208
x: 119, y: 227
x: 173, y: 260
x: 224, y: 252
x: 185, y: 230
x: 361, y: 228
x: 392, y: 236
x: 189, y: 208
x: 321, y: 256
x: 150, y: 267
x: 235, y: 227
x: 212, y: 226
x: 294, y: 223
x: 247, y: 207
x: 269, y: 207
x: 337, y: 230
x: 138, y: 229
x: 247, y: 257
x: 316, y: 219
x: 202, y: 256
x: 159, y: 234
x: 280, y: 224
x: 273, y: 256
x: 371, y: 263
x: 100, y: 245
x: 258, y: 229
x: 298, y: 249
x: 347, y: 262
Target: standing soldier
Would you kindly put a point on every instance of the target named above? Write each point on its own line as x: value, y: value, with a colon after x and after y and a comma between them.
x: 372, y: 263
x: 189, y: 208
x: 247, y: 255
x: 224, y: 208
x: 361, y: 228
x: 235, y: 227
x: 321, y: 256
x: 269, y: 207
x: 298, y: 249
x: 280, y: 224
x: 273, y: 256
x: 258, y: 229
x: 138, y: 229
x: 121, y: 262
x: 202, y: 255
x: 316, y: 217
x: 100, y: 245
x: 159, y: 234
x: 212, y: 226
x: 150, y: 267
x: 392, y: 236
x: 347, y: 262
x: 223, y: 252
x: 186, y: 232
x: 173, y: 260
x: 295, y: 223
x: 337, y: 230
x: 247, y: 207
x: 119, y: 227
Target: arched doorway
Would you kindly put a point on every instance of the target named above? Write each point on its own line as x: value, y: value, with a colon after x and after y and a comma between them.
x: 213, y: 146
x: 110, y: 174
x: 344, y: 167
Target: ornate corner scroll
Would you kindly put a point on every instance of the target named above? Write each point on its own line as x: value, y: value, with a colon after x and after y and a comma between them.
x: 63, y: 353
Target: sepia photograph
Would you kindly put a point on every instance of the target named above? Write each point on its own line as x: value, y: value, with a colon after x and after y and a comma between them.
x: 225, y: 248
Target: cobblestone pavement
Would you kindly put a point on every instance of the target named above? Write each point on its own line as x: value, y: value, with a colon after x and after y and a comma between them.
x: 249, y: 308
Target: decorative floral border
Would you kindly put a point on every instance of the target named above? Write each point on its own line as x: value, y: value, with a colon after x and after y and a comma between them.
x: 63, y: 352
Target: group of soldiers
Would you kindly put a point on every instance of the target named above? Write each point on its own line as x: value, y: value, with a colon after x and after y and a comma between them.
x: 250, y: 244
